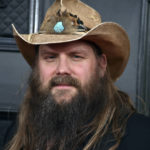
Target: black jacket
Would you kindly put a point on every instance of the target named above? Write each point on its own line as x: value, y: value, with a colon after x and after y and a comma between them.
x: 137, y: 136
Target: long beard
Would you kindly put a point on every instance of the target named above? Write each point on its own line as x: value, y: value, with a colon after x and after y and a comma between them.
x: 58, y: 126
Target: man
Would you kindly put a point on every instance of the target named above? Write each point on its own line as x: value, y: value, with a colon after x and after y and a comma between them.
x: 71, y: 102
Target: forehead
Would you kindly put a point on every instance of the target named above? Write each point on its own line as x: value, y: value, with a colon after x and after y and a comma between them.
x: 67, y: 47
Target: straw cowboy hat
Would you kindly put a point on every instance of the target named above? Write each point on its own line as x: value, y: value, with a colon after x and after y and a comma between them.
x: 71, y: 20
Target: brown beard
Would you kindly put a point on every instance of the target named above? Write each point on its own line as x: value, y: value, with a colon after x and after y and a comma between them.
x: 58, y: 126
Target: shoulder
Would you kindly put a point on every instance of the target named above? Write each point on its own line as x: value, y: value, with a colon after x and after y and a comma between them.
x: 7, y: 129
x: 138, y: 121
x: 137, y: 135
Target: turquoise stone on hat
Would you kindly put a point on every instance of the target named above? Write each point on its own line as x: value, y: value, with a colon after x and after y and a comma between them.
x: 58, y: 28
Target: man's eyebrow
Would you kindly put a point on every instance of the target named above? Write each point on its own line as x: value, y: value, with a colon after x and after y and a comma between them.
x: 44, y: 51
x: 78, y: 50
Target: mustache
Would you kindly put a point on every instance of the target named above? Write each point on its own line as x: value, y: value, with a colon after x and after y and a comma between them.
x: 64, y: 80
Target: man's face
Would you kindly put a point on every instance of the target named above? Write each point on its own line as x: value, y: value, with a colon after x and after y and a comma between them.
x: 75, y: 59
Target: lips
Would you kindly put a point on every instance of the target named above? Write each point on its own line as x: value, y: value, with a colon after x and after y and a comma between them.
x: 62, y: 86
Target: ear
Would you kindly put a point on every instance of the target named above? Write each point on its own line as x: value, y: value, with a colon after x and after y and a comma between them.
x: 102, y: 62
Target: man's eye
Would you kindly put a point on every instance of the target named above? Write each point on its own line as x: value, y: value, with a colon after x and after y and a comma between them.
x: 77, y: 57
x: 50, y: 57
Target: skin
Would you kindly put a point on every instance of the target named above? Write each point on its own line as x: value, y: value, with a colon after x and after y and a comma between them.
x: 76, y: 59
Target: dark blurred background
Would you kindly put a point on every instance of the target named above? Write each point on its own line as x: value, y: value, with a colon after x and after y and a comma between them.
x: 26, y: 15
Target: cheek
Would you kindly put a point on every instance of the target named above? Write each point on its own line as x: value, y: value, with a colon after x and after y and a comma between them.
x: 45, y: 74
x: 84, y: 72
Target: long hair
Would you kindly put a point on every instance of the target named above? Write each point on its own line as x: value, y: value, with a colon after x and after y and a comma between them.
x: 113, y: 118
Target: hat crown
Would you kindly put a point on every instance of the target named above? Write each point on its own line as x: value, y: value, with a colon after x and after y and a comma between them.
x: 69, y: 16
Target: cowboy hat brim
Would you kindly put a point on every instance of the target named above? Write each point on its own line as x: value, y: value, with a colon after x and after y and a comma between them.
x: 109, y: 36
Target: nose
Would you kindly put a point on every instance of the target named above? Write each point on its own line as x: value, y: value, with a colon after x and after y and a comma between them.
x: 63, y: 66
